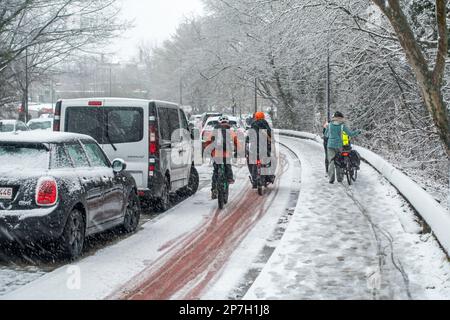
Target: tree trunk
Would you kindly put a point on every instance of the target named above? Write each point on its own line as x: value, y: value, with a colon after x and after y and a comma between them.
x: 430, y: 82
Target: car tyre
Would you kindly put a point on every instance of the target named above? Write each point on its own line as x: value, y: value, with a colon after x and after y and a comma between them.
x: 74, y: 235
x: 163, y: 203
x: 193, y: 184
x: 132, y: 213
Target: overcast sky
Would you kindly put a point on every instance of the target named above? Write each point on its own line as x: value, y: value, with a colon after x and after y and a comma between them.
x: 154, y: 20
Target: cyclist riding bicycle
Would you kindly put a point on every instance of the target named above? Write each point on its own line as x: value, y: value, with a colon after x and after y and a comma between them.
x: 260, y: 125
x: 226, y: 147
x: 338, y: 135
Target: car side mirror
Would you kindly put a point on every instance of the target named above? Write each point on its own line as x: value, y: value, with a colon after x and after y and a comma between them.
x: 119, y: 166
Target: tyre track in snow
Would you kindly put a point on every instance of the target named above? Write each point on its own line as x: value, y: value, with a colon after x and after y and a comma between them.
x: 194, y: 263
x: 378, y: 233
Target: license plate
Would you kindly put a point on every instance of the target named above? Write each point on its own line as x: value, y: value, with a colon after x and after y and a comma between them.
x: 6, y: 193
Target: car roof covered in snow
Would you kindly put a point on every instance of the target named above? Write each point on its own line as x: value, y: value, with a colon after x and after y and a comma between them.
x: 38, y: 120
x: 42, y: 137
x: 108, y: 100
x: 231, y: 118
x: 8, y: 121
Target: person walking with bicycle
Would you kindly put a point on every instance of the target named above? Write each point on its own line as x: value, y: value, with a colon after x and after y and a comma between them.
x: 336, y: 133
x: 226, y: 146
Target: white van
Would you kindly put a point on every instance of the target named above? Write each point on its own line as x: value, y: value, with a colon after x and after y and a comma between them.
x: 141, y: 133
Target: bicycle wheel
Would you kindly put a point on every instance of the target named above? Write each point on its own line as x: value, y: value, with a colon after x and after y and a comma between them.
x: 349, y: 172
x: 260, y: 187
x: 220, y: 198
x: 226, y: 193
x: 355, y: 175
x: 222, y: 188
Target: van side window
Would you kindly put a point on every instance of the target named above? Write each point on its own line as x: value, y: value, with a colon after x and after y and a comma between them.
x: 164, y: 123
x: 184, y: 122
x: 174, y: 119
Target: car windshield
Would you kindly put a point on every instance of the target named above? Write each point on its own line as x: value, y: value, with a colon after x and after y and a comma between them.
x: 6, y: 127
x: 212, y: 124
x: 23, y: 156
x: 43, y: 125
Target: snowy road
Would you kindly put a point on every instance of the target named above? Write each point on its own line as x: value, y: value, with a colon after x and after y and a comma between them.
x: 305, y: 239
x: 182, y: 251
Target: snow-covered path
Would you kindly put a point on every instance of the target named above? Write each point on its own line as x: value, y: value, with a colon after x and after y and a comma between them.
x: 351, y: 243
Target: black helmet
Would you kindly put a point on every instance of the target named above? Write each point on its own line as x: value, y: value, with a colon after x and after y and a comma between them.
x: 338, y: 114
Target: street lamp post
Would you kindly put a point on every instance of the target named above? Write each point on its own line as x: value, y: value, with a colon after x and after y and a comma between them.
x: 26, y: 87
x: 256, y: 95
x: 328, y: 86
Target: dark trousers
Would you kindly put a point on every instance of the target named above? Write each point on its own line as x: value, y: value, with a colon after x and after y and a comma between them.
x: 228, y: 173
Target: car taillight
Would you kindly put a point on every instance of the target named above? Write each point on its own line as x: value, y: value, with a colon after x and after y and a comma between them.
x: 153, y: 140
x: 57, y: 117
x: 46, y: 192
x: 153, y: 148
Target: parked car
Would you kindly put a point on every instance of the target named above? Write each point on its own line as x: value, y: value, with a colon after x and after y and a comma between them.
x: 41, y: 124
x: 62, y: 187
x: 152, y: 136
x: 12, y: 126
x: 35, y: 110
x: 236, y: 125
x: 207, y: 115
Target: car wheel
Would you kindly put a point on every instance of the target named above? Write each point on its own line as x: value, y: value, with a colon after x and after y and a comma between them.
x: 163, y: 203
x: 132, y: 213
x: 193, y: 184
x: 74, y: 234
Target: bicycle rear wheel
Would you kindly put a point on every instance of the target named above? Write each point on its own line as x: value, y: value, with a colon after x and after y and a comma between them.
x: 221, y: 199
x: 355, y: 175
x: 226, y: 194
x: 349, y: 172
x: 222, y: 188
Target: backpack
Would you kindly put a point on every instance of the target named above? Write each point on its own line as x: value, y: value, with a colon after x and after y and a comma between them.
x: 345, y: 137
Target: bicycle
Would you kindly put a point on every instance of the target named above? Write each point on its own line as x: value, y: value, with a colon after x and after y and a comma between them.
x: 346, y: 164
x: 223, y: 186
x: 261, y: 181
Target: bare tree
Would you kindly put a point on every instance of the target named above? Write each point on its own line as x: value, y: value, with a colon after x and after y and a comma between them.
x: 57, y: 27
x: 429, y: 80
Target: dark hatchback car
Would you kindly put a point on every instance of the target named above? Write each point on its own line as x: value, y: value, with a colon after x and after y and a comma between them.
x: 61, y: 188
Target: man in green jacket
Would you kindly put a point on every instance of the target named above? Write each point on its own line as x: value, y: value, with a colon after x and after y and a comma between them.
x: 335, y: 144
